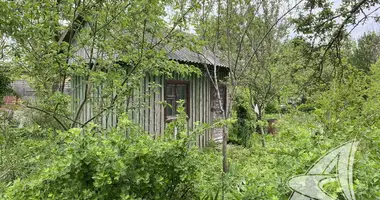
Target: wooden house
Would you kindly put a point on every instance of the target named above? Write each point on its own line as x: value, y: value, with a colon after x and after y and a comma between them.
x: 198, y: 92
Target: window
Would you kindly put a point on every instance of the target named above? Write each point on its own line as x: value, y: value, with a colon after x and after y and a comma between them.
x: 174, y: 91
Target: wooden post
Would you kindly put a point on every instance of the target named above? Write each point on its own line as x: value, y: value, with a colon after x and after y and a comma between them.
x: 263, y: 137
x: 175, y: 132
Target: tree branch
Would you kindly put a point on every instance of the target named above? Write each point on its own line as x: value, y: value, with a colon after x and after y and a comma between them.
x: 339, y: 33
x: 267, y: 33
x: 54, y: 117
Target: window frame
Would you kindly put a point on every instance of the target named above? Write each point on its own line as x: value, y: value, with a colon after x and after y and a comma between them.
x: 187, y: 100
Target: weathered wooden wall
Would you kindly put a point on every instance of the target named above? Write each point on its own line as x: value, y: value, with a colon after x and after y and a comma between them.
x: 144, y: 107
x: 216, y: 111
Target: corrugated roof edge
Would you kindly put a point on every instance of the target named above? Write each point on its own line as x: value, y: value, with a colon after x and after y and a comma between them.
x: 186, y: 55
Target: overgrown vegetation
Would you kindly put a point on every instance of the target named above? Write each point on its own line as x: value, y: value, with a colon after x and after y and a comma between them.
x: 94, y: 165
x: 320, y: 85
x: 88, y: 164
x: 5, y: 86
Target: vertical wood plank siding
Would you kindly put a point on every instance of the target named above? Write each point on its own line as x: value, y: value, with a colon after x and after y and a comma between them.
x: 144, y: 106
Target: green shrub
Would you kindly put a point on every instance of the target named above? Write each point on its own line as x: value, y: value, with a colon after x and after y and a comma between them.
x: 5, y: 86
x: 262, y: 173
x: 272, y: 108
x: 305, y: 108
x: 242, y: 130
x: 87, y: 164
x: 23, y: 151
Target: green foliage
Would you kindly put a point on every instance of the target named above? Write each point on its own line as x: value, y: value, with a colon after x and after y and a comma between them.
x: 345, y: 109
x: 87, y: 164
x: 40, y: 119
x: 127, y: 163
x: 242, y: 130
x: 42, y: 161
x: 328, y: 21
x: 272, y: 108
x: 367, y: 51
x: 178, y: 127
x: 22, y: 151
x: 109, y: 44
x: 341, y: 105
x: 306, y: 108
x: 262, y: 173
x: 5, y: 86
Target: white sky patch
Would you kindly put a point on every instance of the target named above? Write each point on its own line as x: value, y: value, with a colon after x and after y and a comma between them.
x: 169, y: 19
x: 369, y: 25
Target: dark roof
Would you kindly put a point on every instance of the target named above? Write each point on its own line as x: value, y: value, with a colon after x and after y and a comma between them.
x: 186, y: 55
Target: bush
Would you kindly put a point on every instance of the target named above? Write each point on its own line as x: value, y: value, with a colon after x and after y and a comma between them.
x: 23, y: 151
x: 244, y: 127
x: 87, y: 164
x: 272, y: 108
x: 5, y: 86
x: 306, y: 108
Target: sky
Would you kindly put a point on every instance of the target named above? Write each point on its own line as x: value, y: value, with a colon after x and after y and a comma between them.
x: 369, y: 25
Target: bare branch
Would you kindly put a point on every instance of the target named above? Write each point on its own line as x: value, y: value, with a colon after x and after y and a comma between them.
x: 113, y: 101
x: 267, y: 33
x: 50, y: 114
x: 173, y: 28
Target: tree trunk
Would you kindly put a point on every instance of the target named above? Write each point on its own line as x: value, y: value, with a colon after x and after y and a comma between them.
x: 258, y: 127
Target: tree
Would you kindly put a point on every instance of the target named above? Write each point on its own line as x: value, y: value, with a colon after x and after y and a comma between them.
x: 120, y: 42
x: 263, y: 75
x: 236, y: 30
x: 367, y: 51
x: 5, y: 80
x: 5, y: 86
x: 328, y: 28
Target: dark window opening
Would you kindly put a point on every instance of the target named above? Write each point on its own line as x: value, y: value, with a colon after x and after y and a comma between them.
x: 174, y: 91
